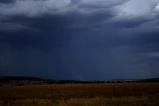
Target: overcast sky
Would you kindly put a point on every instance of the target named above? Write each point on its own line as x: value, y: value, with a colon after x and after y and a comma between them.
x: 80, y: 39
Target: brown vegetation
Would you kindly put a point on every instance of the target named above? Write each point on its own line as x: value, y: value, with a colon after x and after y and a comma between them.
x: 121, y: 94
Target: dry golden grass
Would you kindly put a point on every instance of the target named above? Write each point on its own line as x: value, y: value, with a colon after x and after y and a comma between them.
x: 124, y: 94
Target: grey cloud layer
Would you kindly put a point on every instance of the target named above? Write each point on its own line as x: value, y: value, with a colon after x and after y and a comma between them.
x: 130, y: 18
x: 118, y: 11
x: 40, y: 7
x: 33, y: 7
x: 138, y: 9
x: 123, y: 8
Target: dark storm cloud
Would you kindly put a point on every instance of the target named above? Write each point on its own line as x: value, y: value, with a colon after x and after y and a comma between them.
x: 69, y: 39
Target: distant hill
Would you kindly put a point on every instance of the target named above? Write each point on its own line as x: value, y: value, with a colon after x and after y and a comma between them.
x: 18, y: 78
x: 23, y: 80
x: 149, y: 80
x: 136, y: 80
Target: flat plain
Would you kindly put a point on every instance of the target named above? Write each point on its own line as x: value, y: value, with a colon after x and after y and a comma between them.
x: 112, y: 94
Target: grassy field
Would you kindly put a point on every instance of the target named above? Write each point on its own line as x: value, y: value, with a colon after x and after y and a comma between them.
x: 121, y: 94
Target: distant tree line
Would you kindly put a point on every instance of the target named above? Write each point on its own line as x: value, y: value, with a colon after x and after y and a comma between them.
x: 20, y: 81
